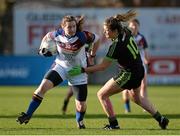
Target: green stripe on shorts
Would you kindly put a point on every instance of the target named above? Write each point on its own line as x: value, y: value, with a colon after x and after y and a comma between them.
x: 123, y: 78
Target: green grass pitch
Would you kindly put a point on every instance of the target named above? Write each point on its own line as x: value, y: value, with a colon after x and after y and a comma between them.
x: 48, y: 119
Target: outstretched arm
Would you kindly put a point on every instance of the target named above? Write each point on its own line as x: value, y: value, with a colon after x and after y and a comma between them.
x: 93, y: 49
x: 146, y: 57
x: 95, y: 46
x: 99, y: 67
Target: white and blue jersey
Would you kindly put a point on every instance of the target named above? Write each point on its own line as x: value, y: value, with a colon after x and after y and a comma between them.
x: 142, y: 45
x: 71, y: 52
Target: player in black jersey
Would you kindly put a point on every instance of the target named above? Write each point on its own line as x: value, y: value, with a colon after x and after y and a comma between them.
x: 143, y: 49
x: 123, y: 50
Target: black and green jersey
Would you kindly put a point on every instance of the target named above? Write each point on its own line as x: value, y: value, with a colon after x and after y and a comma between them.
x: 125, y: 51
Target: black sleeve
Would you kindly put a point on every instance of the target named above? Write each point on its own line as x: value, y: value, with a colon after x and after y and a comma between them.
x: 112, y: 52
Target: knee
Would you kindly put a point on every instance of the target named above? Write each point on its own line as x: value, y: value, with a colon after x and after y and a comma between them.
x: 136, y: 99
x: 81, y: 106
x: 100, y: 95
x: 41, y: 90
x: 143, y: 86
x: 44, y: 87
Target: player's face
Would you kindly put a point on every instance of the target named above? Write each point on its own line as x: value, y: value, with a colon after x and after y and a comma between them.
x: 109, y: 33
x: 70, y: 28
x: 134, y: 27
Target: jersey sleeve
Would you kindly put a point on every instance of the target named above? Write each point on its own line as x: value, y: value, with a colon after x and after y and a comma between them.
x: 112, y: 52
x: 59, y: 32
x: 49, y: 36
x: 90, y: 37
x: 144, y: 42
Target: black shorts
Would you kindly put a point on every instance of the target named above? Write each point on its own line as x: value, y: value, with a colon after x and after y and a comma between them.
x: 129, y: 79
x: 54, y: 77
x: 80, y: 92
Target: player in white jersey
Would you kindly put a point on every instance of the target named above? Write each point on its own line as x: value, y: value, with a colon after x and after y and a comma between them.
x: 69, y: 93
x: 71, y: 41
x: 142, y: 46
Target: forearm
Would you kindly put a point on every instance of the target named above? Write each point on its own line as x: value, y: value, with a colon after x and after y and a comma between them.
x: 94, y: 48
x: 94, y: 68
x: 146, y: 57
x: 99, y: 67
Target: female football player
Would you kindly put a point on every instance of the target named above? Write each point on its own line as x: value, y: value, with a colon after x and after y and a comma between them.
x: 123, y: 50
x: 142, y: 47
x: 71, y: 40
x: 69, y: 93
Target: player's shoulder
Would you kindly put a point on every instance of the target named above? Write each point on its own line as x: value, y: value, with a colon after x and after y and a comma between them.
x: 141, y: 35
x: 85, y: 35
x: 59, y: 31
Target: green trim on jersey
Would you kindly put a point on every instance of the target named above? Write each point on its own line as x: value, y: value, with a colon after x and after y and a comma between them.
x: 123, y: 78
x: 112, y: 49
x: 133, y: 48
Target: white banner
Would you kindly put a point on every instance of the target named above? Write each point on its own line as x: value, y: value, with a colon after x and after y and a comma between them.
x: 160, y: 26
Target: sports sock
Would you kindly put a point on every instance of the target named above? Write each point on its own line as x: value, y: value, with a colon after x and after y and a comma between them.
x: 66, y: 103
x: 79, y: 116
x: 34, y: 104
x: 157, y: 116
x: 113, y: 121
x: 127, y: 105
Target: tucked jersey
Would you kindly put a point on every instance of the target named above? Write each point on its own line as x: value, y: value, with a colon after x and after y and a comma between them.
x: 71, y: 50
x: 125, y: 51
x: 141, y: 43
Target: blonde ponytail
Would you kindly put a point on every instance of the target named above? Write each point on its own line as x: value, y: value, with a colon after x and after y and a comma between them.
x: 126, y: 16
x: 80, y: 22
x: 117, y: 22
